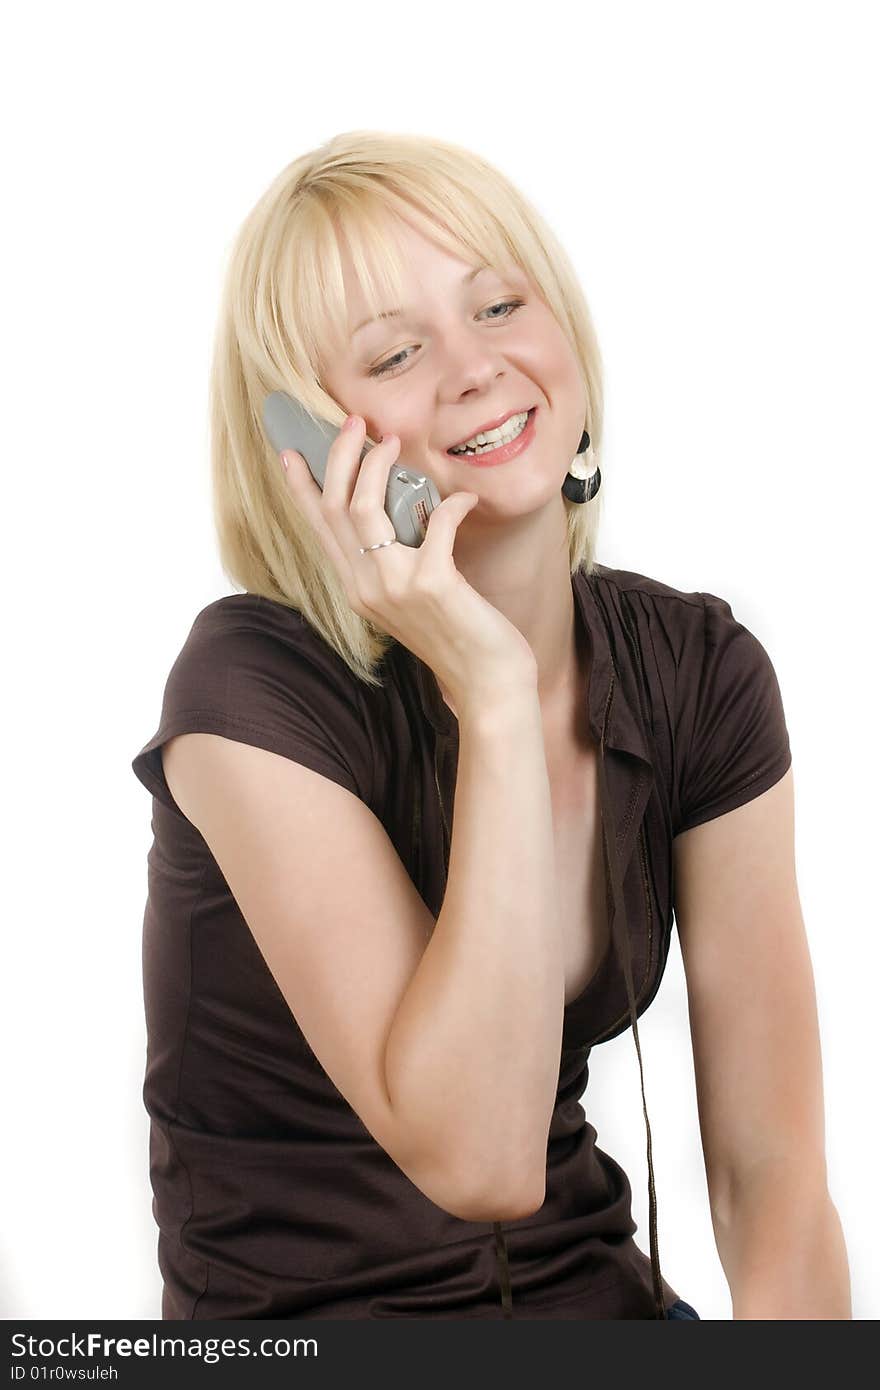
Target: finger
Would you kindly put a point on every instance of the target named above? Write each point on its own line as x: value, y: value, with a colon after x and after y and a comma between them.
x: 368, y: 516
x: 306, y: 495
x: 443, y: 523
x: 342, y: 474
x: 343, y: 462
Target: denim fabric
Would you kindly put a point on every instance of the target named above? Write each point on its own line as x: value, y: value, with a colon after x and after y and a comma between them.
x: 680, y: 1309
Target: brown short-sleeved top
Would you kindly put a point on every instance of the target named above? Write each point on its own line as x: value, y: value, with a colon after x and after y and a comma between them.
x: 271, y: 1197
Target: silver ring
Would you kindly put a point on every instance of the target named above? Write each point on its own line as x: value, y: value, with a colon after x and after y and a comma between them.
x: 365, y: 548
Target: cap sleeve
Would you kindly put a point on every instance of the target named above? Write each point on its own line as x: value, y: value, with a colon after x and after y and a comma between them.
x: 252, y: 670
x: 732, y: 741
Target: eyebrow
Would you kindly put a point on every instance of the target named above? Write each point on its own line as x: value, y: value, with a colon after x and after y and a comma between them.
x: 396, y: 313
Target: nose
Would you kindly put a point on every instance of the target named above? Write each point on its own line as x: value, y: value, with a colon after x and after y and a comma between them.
x: 470, y: 365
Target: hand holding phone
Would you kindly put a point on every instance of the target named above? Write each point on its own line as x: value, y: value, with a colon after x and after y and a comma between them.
x: 412, y: 591
x: 409, y: 497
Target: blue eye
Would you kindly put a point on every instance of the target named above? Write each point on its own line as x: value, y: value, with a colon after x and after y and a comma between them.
x: 392, y: 364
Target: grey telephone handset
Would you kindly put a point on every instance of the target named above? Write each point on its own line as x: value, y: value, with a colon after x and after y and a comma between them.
x: 409, y: 497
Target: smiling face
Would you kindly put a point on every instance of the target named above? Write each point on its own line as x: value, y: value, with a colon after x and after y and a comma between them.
x: 465, y: 351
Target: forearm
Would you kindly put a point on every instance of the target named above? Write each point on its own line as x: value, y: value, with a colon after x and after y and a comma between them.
x: 783, y: 1251
x: 472, y: 1060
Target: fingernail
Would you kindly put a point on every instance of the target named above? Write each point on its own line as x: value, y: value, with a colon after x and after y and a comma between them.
x: 350, y: 422
x: 283, y: 462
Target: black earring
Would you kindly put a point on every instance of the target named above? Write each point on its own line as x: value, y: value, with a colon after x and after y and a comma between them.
x: 583, y: 479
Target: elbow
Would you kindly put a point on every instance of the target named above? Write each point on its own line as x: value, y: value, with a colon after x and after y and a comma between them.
x: 446, y: 1177
x: 517, y: 1209
x: 500, y: 1203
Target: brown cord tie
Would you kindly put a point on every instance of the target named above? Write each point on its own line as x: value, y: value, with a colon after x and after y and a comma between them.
x: 621, y: 938
x: 503, y: 1270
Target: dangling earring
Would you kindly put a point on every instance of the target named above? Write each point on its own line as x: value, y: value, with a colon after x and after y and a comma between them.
x: 583, y: 479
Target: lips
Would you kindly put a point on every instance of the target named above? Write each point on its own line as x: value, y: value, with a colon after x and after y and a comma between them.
x: 489, y: 425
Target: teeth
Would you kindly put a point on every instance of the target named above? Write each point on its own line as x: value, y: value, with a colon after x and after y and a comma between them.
x: 492, y: 438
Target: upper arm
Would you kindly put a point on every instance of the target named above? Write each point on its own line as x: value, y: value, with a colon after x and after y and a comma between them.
x: 328, y: 900
x: 751, y: 995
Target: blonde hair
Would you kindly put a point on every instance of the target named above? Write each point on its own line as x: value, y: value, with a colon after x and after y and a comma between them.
x: 283, y: 304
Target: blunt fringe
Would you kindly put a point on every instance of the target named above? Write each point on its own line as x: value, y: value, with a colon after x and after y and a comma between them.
x: 282, y: 308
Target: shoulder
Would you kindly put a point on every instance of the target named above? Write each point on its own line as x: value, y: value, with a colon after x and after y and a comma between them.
x: 249, y: 640
x: 262, y: 621
x: 692, y: 619
x: 649, y: 623
x: 714, y: 700
x: 701, y: 680
x: 252, y: 669
x: 630, y: 587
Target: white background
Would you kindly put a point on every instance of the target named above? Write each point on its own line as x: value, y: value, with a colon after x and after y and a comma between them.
x: 711, y: 170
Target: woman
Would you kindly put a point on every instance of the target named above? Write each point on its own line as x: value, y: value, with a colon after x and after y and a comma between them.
x: 420, y: 823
